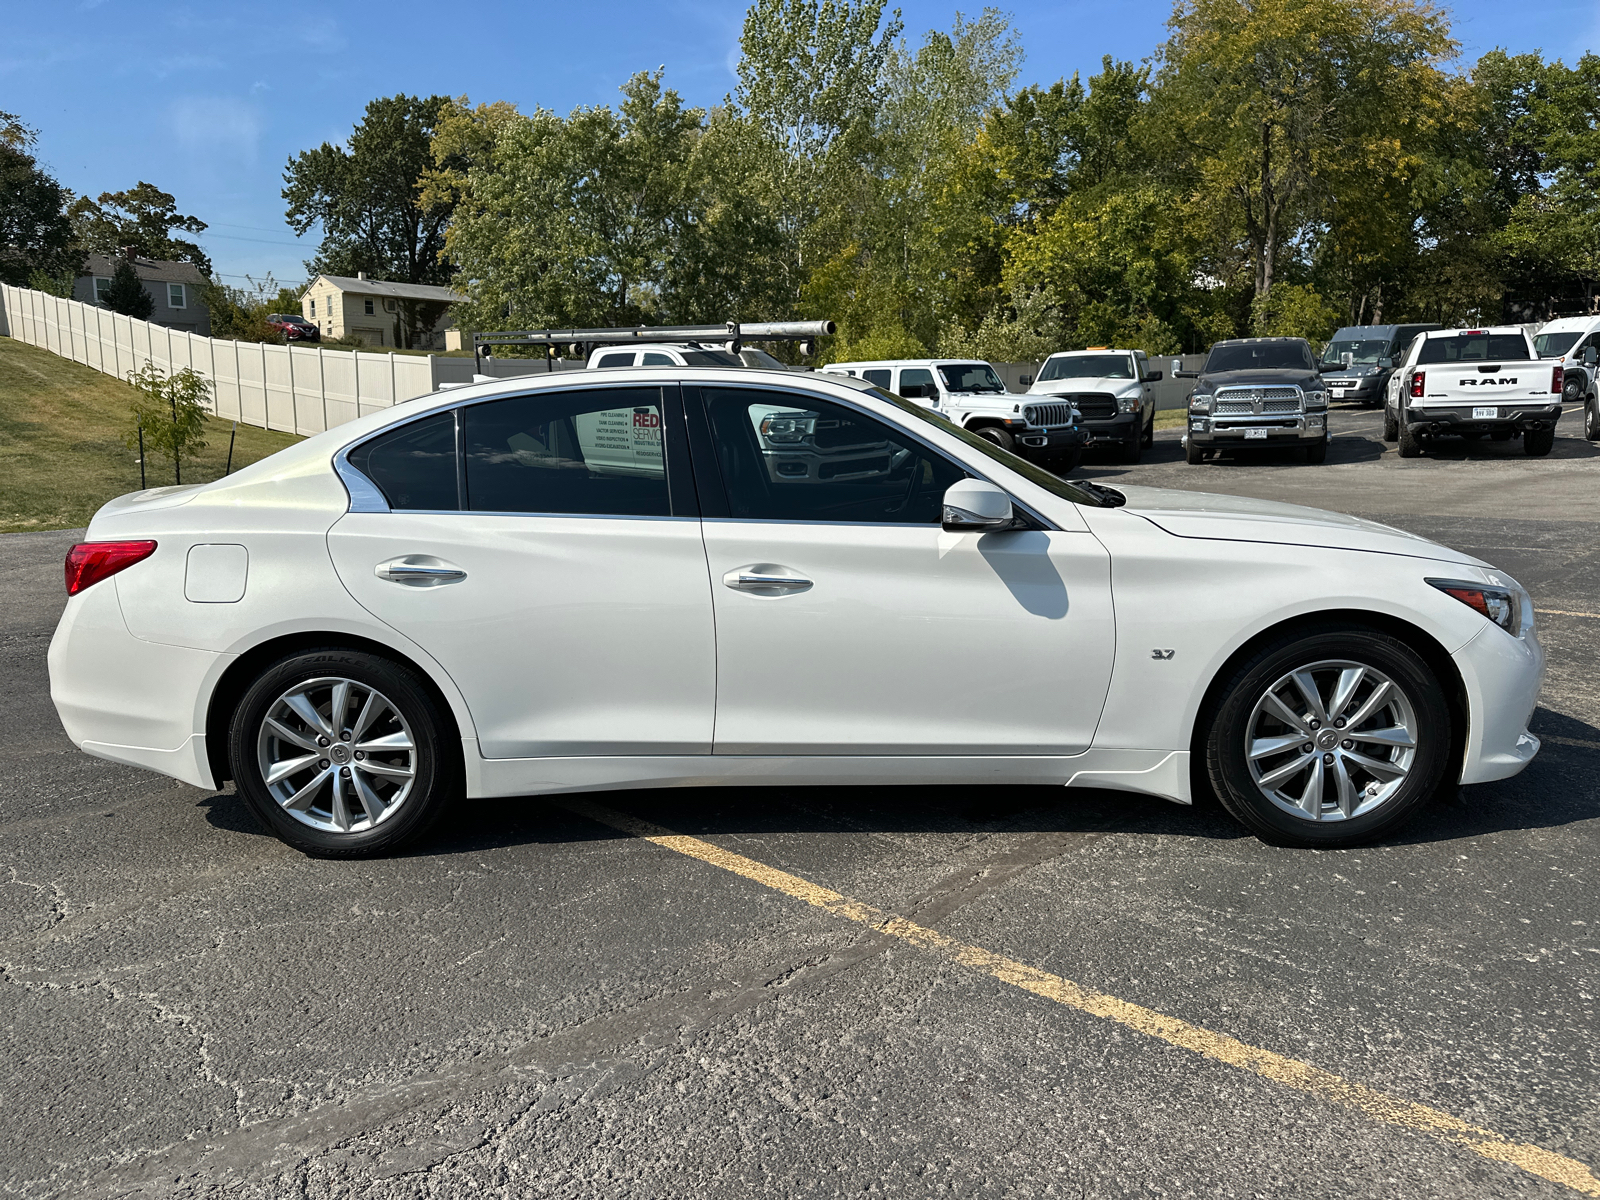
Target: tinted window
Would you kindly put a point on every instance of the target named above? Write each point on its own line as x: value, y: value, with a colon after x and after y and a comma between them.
x: 1474, y: 347
x: 596, y: 451
x: 414, y: 466
x: 787, y: 457
x: 615, y: 359
x: 1259, y: 356
x: 654, y: 358
x: 915, y: 377
x: 711, y: 358
x: 1088, y: 366
x: 971, y: 377
x: 877, y: 375
x: 1553, y: 345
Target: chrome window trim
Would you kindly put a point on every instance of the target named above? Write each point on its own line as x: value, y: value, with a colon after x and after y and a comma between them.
x: 364, y: 494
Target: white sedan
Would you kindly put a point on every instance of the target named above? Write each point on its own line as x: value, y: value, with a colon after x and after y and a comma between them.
x: 685, y: 576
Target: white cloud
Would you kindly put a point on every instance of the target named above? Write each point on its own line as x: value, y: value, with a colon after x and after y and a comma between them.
x: 217, y: 126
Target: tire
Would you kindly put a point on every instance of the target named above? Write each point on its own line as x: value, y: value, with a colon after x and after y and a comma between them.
x: 378, y: 805
x: 1318, y: 452
x: 1391, y: 427
x: 1536, y: 443
x: 1591, y: 419
x: 1066, y: 463
x: 1572, y: 389
x: 1000, y: 437
x: 1149, y: 438
x: 1193, y: 454
x: 1131, y: 449
x: 1273, y: 793
x: 1410, y: 444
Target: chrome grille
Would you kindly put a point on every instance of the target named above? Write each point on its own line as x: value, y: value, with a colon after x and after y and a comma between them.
x: 1256, y: 401
x: 1051, y: 414
x: 1280, y: 406
x: 1232, y: 408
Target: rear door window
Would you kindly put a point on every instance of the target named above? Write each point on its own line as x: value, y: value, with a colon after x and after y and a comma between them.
x: 596, y: 451
x: 616, y: 358
x: 654, y: 358
x: 877, y: 375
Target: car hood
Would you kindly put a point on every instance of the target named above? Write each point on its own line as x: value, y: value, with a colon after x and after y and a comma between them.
x: 1071, y: 387
x: 1258, y: 378
x: 1244, y: 519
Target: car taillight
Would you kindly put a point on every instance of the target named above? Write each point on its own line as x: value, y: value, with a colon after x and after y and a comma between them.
x: 90, y: 562
x: 1557, y: 379
x: 1416, y: 383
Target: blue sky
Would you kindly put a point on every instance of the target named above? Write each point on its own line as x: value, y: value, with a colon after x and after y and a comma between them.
x: 209, y: 101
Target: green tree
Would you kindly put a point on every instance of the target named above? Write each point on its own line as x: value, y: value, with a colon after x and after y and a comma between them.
x: 169, y: 414
x: 127, y: 294
x: 368, y: 196
x: 139, y: 220
x: 1278, y: 115
x: 35, y: 233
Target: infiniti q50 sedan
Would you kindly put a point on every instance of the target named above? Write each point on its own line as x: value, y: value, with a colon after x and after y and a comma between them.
x: 558, y: 584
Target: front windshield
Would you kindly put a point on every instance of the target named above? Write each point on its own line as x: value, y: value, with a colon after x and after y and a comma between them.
x: 1553, y: 345
x: 1088, y: 366
x: 971, y: 377
x: 1364, y: 350
x: 1035, y: 475
x: 1474, y: 347
x: 1260, y: 356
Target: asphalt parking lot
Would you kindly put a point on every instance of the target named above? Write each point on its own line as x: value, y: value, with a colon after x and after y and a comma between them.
x: 729, y: 993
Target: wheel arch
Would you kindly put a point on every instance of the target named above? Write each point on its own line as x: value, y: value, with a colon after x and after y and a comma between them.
x: 1417, y: 638
x: 236, y: 679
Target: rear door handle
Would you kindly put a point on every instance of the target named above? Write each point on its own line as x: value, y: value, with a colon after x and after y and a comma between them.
x: 419, y: 570
x: 765, y: 579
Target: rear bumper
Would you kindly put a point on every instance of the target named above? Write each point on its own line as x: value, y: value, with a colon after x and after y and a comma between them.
x: 1458, y: 418
x: 129, y: 700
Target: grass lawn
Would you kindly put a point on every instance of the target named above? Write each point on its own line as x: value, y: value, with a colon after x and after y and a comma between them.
x: 61, y: 449
x: 1172, y: 418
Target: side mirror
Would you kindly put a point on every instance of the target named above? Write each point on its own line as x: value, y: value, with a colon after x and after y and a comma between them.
x: 1152, y: 376
x: 1177, y: 367
x: 1385, y: 364
x: 1027, y: 380
x: 1346, y: 359
x: 973, y: 506
x: 1590, y: 354
x: 1186, y: 374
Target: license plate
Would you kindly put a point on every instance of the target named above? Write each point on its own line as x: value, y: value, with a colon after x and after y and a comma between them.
x: 1254, y: 433
x: 1338, y: 393
x: 1485, y: 414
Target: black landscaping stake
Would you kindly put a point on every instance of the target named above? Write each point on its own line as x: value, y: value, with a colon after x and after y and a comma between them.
x: 227, y: 470
x: 177, y: 472
x: 141, y: 456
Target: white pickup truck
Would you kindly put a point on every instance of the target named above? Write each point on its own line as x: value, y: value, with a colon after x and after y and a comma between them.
x: 1471, y: 383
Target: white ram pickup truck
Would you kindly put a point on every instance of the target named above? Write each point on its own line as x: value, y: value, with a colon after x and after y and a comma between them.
x: 1471, y: 383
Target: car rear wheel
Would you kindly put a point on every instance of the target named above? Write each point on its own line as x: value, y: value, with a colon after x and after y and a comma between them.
x: 999, y: 437
x: 1536, y: 443
x: 1329, y: 738
x: 342, y: 754
x: 1410, y: 443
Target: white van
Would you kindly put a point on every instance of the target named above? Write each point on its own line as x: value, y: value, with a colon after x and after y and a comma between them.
x: 971, y: 394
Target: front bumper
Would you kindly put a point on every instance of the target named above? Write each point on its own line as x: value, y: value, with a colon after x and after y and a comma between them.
x: 1054, y: 440
x: 1256, y: 431
x: 1366, y: 389
x: 1502, y: 675
x: 1458, y: 418
x: 1109, y: 429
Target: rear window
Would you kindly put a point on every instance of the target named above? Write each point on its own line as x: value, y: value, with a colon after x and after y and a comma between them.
x: 1474, y: 347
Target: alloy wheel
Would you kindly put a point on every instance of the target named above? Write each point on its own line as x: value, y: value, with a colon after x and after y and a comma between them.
x: 336, y: 755
x: 1331, y: 740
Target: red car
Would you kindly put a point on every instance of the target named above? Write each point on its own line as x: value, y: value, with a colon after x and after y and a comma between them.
x: 294, y: 327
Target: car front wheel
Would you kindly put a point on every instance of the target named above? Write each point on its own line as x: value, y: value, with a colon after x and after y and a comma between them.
x: 999, y: 437
x: 342, y: 754
x: 1329, y: 738
x: 1591, y: 419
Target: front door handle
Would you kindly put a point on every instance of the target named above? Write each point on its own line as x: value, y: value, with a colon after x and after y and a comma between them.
x: 419, y: 570
x: 765, y: 579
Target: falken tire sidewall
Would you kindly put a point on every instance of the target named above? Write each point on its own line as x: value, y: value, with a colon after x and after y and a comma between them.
x: 1225, y: 738
x: 437, y: 764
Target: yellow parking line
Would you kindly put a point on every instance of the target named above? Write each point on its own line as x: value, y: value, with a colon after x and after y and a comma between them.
x: 1561, y: 612
x: 1304, y: 1077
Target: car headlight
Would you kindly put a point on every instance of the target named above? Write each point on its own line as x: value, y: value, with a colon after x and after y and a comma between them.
x: 1200, y: 404
x: 1316, y: 400
x: 788, y: 429
x: 1128, y: 403
x: 1030, y: 415
x: 1497, y: 603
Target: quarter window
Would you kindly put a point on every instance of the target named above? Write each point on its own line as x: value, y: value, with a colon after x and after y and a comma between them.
x: 789, y: 457
x: 596, y: 452
x: 413, y: 466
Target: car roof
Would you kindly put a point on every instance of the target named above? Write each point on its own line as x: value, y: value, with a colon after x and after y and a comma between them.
x: 911, y: 362
x: 1093, y: 350
x: 1569, y: 324
x: 1256, y: 341
x: 1433, y: 333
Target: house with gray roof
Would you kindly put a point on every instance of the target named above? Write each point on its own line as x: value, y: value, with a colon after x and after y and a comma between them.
x: 176, y: 288
x: 411, y: 316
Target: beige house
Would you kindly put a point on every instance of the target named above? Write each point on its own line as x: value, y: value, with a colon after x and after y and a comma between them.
x: 411, y: 316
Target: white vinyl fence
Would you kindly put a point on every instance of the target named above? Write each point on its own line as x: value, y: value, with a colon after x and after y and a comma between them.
x: 298, y: 389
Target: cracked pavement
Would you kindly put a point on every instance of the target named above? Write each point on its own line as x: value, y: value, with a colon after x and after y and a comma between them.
x: 532, y: 1004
